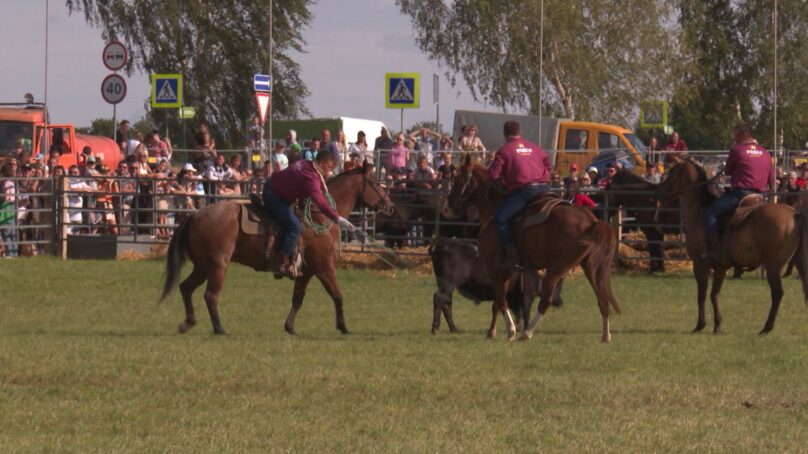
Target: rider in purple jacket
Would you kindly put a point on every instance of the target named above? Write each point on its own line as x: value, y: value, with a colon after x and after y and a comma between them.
x: 302, y: 179
x: 525, y: 169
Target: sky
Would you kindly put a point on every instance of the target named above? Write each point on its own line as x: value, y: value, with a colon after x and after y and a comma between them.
x: 358, y: 41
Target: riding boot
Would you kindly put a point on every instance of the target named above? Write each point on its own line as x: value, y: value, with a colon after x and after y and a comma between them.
x: 287, y: 268
x: 508, y: 257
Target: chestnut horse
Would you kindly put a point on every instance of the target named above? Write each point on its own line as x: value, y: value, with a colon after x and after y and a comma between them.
x: 570, y: 236
x: 212, y: 238
x: 770, y: 236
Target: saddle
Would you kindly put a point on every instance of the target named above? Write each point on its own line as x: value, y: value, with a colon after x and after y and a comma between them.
x: 255, y: 220
x: 737, y: 219
x: 538, y: 209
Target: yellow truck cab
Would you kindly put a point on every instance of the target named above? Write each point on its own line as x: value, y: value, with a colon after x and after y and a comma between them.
x: 566, y: 141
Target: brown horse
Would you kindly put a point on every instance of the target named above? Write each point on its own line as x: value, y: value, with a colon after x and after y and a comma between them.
x: 569, y: 237
x: 768, y: 237
x: 212, y: 238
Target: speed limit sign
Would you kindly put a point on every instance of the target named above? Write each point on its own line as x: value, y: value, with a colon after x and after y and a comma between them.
x: 113, y: 89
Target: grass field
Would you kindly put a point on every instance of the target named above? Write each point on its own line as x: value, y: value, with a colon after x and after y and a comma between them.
x: 90, y: 363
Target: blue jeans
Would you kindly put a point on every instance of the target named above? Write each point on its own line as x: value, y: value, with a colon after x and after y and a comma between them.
x: 284, y: 213
x: 513, y: 203
x: 721, y: 206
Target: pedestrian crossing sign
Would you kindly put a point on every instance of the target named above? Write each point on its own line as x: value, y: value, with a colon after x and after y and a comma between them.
x: 402, y: 90
x: 166, y: 90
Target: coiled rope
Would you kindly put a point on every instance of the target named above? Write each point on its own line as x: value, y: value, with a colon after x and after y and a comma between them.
x: 318, y: 228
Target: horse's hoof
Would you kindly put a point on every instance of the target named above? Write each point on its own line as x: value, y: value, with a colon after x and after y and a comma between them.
x: 455, y: 330
x: 221, y: 333
x: 491, y: 335
x: 606, y: 340
x: 717, y: 330
x: 183, y: 328
x: 511, y: 337
x: 344, y: 330
x: 764, y: 331
x: 289, y: 330
x: 525, y: 336
x: 699, y: 327
x: 434, y: 331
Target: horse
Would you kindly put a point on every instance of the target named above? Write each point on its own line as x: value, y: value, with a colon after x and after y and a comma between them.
x: 212, y: 238
x: 769, y: 236
x: 636, y: 195
x: 570, y: 236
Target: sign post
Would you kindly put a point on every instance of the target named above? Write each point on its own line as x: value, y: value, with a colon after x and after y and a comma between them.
x: 113, y: 87
x: 402, y: 91
x: 262, y: 84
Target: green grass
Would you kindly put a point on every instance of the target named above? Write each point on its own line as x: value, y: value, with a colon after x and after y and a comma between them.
x: 90, y: 363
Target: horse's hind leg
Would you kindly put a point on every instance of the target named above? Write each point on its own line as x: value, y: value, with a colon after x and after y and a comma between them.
x: 187, y: 288
x: 701, y: 271
x: 776, y: 287
x: 215, y: 284
x: 549, y: 284
x: 301, y: 283
x: 718, y: 280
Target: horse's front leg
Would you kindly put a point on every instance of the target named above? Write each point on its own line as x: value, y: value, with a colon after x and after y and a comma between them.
x: 301, y: 283
x: 329, y: 280
x: 501, y: 305
x: 701, y: 270
x: 776, y: 287
x: 718, y: 280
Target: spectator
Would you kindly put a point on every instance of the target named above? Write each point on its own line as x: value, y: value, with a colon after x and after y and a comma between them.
x: 254, y: 134
x: 576, y: 198
x: 293, y: 149
x: 158, y: 148
x: 141, y: 164
x: 611, y: 171
x: 361, y: 147
x: 353, y: 162
x: 123, y: 202
x: 122, y: 135
x: 446, y: 170
x: 592, y: 171
x: 103, y: 201
x: 76, y: 188
x: 325, y: 142
x: 205, y: 147
x: 383, y: 143
x: 651, y: 174
x: 675, y: 149
x: 445, y: 144
x: 555, y: 180
x: 802, y: 174
x: 237, y: 174
x: 789, y: 190
x: 470, y: 142
x: 310, y: 153
x: 192, y: 188
x: 339, y: 148
x: 397, y: 159
x: 424, y: 173
x: 573, y: 176
x: 218, y: 173
x: 279, y: 159
x: 8, y: 208
x: 426, y: 144
x: 585, y: 182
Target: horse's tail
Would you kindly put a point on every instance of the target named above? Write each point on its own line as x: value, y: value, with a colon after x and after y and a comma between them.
x: 176, y: 256
x: 603, y: 246
x: 802, y: 249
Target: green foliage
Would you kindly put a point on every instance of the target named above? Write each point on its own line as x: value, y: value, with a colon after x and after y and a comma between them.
x: 431, y: 125
x: 600, y: 57
x: 217, y: 46
x: 90, y: 363
x: 99, y: 127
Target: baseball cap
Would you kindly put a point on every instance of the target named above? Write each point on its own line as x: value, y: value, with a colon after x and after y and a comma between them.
x: 188, y: 167
x: 573, y: 166
x: 91, y: 159
x: 592, y: 169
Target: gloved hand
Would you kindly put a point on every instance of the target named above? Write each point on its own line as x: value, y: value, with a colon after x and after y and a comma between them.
x: 345, y: 224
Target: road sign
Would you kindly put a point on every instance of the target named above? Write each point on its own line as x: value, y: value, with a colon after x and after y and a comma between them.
x: 262, y: 99
x: 187, y: 112
x: 402, y: 90
x: 113, y: 89
x: 262, y: 82
x: 114, y: 56
x: 166, y: 90
x: 654, y: 114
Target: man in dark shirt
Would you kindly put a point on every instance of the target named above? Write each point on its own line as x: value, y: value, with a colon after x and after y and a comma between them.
x: 750, y: 167
x: 525, y: 169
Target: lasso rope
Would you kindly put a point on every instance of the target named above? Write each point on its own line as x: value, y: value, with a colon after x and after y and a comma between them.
x: 319, y: 229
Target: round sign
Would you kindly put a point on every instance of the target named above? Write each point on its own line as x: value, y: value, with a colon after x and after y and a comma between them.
x: 113, y: 89
x: 114, y: 56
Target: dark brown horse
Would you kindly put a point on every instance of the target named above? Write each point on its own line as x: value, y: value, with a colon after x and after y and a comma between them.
x: 570, y: 236
x: 770, y: 236
x: 637, y: 198
x: 212, y: 238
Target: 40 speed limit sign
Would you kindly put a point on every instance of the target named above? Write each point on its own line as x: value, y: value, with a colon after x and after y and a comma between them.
x: 113, y: 89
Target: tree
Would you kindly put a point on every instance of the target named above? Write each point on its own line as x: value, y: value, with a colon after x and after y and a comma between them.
x: 600, y: 57
x: 216, y: 46
x: 99, y: 127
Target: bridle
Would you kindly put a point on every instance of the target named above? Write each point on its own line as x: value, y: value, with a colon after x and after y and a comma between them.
x: 467, y: 186
x: 694, y: 186
x: 382, y: 204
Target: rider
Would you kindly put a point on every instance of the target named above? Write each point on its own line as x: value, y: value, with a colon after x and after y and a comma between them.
x: 525, y: 169
x: 750, y: 167
x: 302, y: 179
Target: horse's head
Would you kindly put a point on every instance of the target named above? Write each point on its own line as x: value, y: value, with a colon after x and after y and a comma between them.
x: 684, y: 176
x: 374, y: 194
x: 467, y: 181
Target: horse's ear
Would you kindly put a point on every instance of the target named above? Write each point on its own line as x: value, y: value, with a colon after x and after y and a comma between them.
x: 468, y: 162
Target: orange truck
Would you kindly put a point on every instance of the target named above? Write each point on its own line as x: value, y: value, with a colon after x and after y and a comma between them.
x: 22, y: 122
x: 568, y: 142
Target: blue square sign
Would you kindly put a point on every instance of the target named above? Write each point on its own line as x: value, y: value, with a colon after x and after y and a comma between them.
x: 166, y: 90
x: 402, y: 90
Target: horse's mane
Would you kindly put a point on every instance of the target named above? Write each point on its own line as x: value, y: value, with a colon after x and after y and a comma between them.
x: 625, y: 177
x: 705, y: 196
x: 480, y: 172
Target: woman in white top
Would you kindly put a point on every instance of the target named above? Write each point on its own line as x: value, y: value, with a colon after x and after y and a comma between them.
x: 361, y: 147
